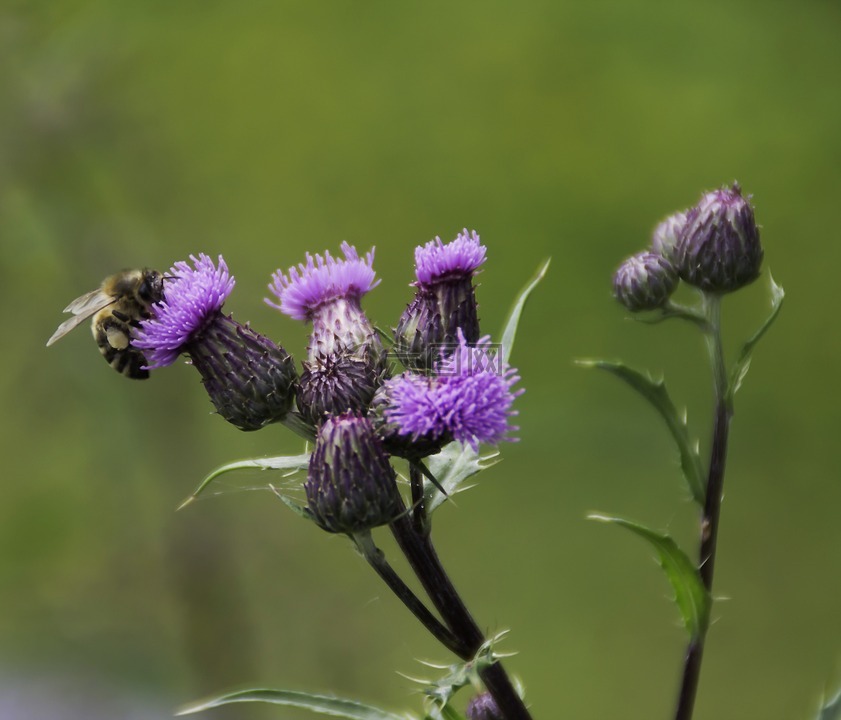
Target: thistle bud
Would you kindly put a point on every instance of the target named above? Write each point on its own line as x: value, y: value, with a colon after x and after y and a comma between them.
x: 250, y: 380
x: 645, y: 281
x: 333, y: 385
x: 483, y: 707
x: 346, y: 360
x: 666, y: 234
x: 351, y: 485
x: 719, y: 249
x: 444, y: 303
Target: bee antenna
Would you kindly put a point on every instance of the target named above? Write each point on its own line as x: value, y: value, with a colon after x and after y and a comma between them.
x: 171, y: 277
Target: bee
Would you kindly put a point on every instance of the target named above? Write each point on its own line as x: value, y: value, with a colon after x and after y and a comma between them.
x: 117, y: 306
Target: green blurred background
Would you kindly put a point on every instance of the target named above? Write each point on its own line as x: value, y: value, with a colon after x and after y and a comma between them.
x: 135, y: 134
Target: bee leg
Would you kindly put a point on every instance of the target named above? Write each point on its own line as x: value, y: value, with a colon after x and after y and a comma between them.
x: 112, y: 337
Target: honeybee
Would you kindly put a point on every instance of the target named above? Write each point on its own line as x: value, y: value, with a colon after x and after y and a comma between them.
x: 117, y: 306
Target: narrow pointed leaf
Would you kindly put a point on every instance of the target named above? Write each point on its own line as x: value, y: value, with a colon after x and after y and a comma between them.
x: 655, y: 392
x: 742, y: 365
x: 452, y: 467
x: 510, y: 329
x: 289, y: 463
x: 831, y: 710
x: 322, y: 704
x: 691, y: 596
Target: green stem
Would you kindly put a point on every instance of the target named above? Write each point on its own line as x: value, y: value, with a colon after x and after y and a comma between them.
x: 712, y: 506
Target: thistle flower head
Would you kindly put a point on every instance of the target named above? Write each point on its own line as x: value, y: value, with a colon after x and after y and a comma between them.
x: 321, y: 280
x: 193, y: 297
x: 437, y: 262
x: 351, y: 485
x: 469, y: 399
x: 719, y: 249
x: 645, y: 281
x: 250, y: 380
x: 444, y: 302
x: 327, y: 292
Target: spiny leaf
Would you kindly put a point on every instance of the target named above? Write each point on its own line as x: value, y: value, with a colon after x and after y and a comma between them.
x: 831, y: 710
x: 290, y: 463
x: 323, y: 704
x: 691, y: 597
x: 655, y: 392
x: 510, y: 329
x: 451, y: 467
x: 742, y: 365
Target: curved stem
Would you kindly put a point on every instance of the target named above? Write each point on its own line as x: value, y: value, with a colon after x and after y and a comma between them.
x: 712, y: 505
x: 376, y: 559
x: 424, y: 560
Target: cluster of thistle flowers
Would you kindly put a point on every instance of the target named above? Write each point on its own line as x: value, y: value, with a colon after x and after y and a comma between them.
x: 454, y: 387
x: 713, y: 246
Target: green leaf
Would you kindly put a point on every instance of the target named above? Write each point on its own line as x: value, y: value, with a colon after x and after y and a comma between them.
x: 742, y: 365
x: 691, y: 597
x: 831, y: 710
x: 440, y: 692
x: 510, y: 329
x: 289, y: 463
x: 655, y: 392
x: 323, y: 704
x: 452, y: 467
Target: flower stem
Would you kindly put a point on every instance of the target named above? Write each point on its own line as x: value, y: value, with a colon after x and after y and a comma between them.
x: 712, y: 504
x: 421, y: 554
x: 376, y: 559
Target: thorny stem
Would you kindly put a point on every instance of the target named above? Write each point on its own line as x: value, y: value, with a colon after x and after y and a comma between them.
x: 712, y: 505
x: 376, y: 559
x: 419, y: 551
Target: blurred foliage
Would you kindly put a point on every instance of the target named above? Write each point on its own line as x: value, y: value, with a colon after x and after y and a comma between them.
x: 135, y: 134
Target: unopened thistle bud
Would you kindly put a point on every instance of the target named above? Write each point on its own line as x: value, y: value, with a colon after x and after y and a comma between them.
x: 483, y: 707
x: 345, y: 357
x: 250, y: 380
x: 719, y: 249
x: 351, y: 485
x: 666, y: 234
x: 444, y: 302
x: 645, y: 281
x: 333, y: 385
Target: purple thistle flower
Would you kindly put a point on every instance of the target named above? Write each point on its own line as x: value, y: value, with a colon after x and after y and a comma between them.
x: 345, y: 357
x: 470, y: 400
x: 322, y: 279
x: 250, y: 380
x: 436, y: 262
x: 444, y: 302
x: 192, y: 298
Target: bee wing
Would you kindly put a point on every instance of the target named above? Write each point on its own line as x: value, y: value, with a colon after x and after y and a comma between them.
x: 82, y: 308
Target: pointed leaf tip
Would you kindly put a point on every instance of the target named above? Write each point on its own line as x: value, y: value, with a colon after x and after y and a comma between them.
x: 691, y: 597
x: 509, y: 331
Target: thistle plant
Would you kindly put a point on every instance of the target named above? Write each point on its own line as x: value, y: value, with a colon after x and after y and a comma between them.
x: 393, y: 428
x: 714, y: 248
